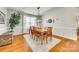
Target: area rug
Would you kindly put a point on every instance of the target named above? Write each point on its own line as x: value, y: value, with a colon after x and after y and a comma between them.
x: 37, y: 47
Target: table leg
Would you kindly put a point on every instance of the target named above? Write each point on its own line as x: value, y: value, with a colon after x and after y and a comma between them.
x: 51, y: 37
x: 47, y: 39
x: 41, y: 38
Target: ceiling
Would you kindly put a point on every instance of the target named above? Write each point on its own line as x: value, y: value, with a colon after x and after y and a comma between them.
x: 32, y: 10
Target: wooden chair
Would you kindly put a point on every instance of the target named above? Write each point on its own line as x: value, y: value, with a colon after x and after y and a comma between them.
x: 37, y: 34
x: 40, y: 34
x: 49, y: 34
x: 31, y: 30
x: 78, y: 34
x: 33, y: 33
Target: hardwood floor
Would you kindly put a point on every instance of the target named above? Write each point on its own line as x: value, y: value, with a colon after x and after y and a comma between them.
x: 66, y: 45
x: 19, y: 45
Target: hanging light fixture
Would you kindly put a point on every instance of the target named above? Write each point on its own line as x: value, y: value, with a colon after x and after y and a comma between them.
x: 38, y: 10
x: 38, y: 17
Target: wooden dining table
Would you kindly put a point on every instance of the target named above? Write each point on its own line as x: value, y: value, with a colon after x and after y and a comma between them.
x: 41, y: 32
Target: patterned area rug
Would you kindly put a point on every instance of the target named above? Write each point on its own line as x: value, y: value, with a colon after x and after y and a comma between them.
x: 37, y: 47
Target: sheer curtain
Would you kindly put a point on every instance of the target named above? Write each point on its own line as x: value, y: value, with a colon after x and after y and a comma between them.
x: 28, y: 22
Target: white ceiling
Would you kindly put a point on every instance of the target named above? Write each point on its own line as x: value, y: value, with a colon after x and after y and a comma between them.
x: 32, y: 10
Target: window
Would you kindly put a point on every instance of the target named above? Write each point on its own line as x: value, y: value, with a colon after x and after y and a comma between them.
x: 29, y: 21
x: 33, y: 21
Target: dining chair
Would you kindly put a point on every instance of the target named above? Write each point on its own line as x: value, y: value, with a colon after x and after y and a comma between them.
x: 78, y: 34
x: 36, y: 32
x: 49, y: 34
x: 32, y: 32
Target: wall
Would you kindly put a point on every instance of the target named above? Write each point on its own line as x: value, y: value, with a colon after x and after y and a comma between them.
x: 65, y: 24
x: 3, y: 27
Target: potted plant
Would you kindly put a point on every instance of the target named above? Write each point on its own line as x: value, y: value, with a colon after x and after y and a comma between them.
x: 14, y: 20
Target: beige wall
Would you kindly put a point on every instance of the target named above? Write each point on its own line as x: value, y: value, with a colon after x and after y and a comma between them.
x: 3, y: 27
x: 65, y: 24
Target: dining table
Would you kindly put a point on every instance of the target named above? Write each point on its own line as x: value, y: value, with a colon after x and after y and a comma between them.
x: 39, y: 32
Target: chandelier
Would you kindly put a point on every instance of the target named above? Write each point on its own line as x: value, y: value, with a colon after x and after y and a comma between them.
x: 38, y: 17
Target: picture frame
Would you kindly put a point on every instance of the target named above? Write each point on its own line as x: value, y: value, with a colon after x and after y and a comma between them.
x: 2, y: 16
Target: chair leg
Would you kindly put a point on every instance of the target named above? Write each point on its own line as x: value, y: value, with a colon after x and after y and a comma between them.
x: 34, y: 37
x: 47, y: 39
x: 50, y: 37
x: 41, y: 38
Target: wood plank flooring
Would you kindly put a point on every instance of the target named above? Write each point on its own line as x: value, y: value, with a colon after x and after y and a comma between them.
x: 19, y: 45
x: 66, y: 45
